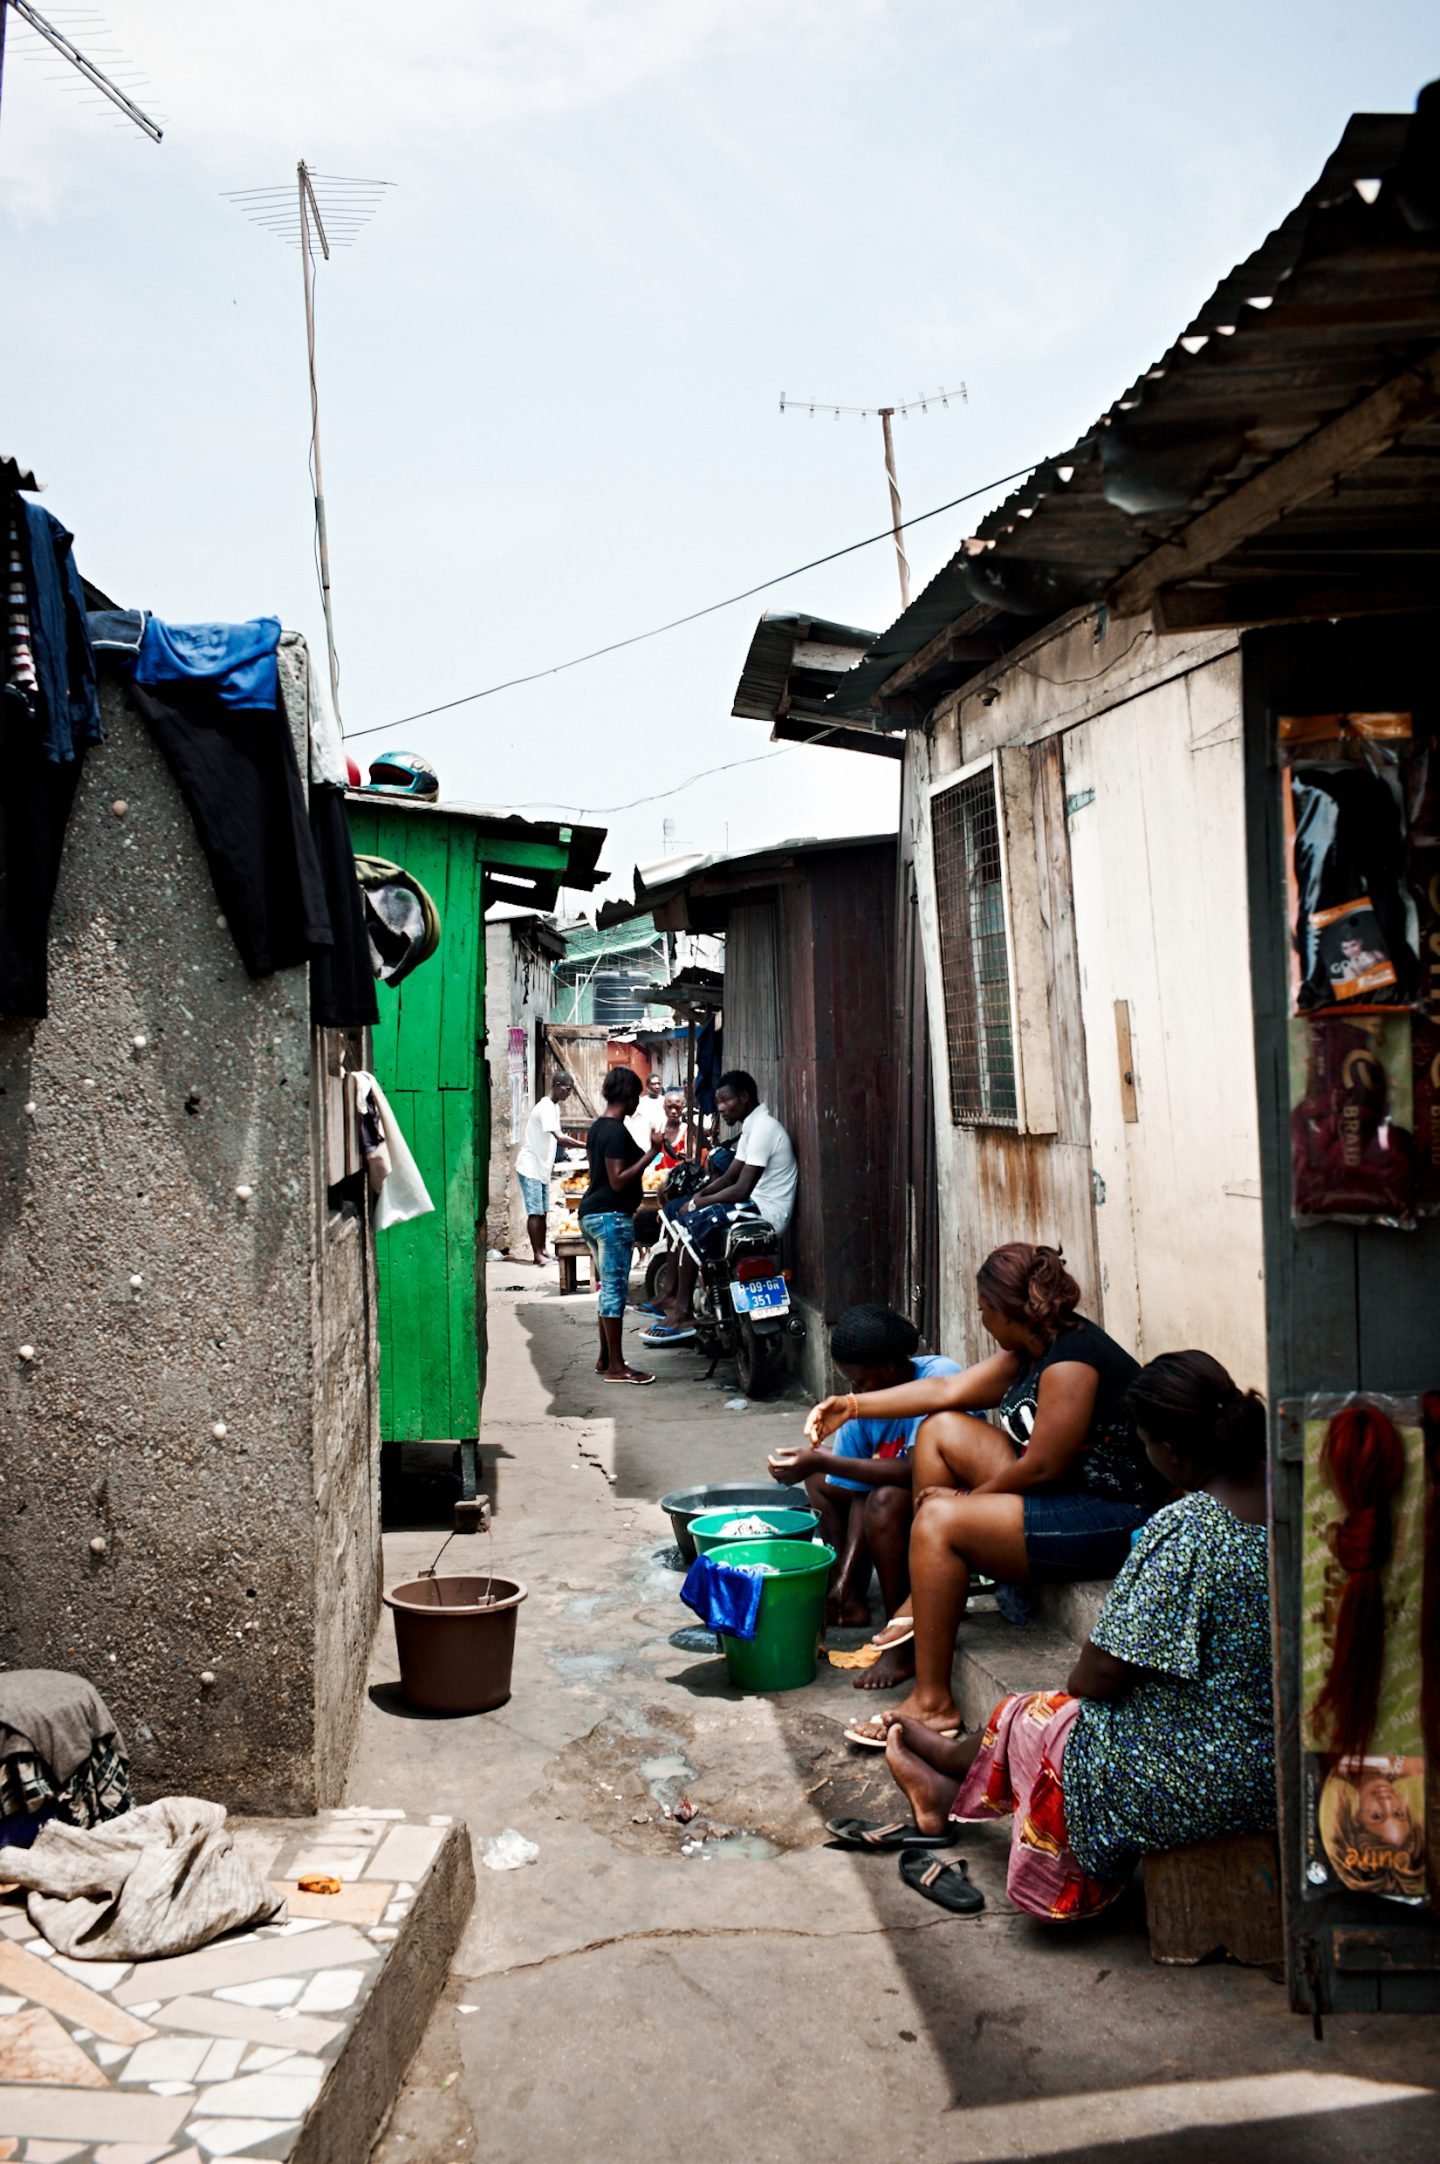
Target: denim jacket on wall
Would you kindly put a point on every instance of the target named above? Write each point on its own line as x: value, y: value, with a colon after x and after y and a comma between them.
x: 59, y: 635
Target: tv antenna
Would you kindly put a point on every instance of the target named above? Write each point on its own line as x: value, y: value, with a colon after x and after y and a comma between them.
x: 84, y: 67
x: 332, y: 208
x: 885, y: 414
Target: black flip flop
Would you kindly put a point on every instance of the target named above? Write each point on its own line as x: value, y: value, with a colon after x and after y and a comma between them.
x: 870, y: 1834
x: 946, y: 1884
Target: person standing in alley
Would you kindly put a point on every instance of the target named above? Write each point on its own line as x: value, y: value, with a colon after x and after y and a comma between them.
x: 649, y: 1116
x: 607, y: 1215
x: 544, y: 1135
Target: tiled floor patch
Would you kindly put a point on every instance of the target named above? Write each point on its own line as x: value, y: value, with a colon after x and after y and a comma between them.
x: 214, y: 2054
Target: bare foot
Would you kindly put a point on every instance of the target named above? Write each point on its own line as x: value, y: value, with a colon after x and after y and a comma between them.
x: 929, y: 1792
x: 846, y: 1615
x: 893, y: 1668
x: 937, y: 1713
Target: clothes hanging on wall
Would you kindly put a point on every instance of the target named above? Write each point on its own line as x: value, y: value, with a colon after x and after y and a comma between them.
x: 36, y: 795
x: 236, y: 660
x: 49, y: 663
x: 342, y: 980
x: 394, y: 1177
x: 401, y: 919
x: 237, y: 773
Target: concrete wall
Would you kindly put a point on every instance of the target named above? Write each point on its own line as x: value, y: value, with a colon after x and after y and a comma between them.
x: 1123, y: 800
x: 518, y: 983
x: 138, y: 1545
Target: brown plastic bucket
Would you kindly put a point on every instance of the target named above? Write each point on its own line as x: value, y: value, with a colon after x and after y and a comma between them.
x: 456, y: 1647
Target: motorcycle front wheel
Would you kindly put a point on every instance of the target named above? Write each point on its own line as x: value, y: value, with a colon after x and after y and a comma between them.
x: 662, y: 1275
x: 759, y: 1360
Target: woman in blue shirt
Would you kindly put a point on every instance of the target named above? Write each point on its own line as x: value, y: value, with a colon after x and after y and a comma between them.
x: 860, y: 1486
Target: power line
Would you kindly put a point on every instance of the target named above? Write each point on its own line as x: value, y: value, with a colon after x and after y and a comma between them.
x: 676, y: 623
x: 604, y: 811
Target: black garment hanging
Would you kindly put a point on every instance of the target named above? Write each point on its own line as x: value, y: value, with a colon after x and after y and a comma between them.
x: 342, y: 982
x: 237, y: 773
x: 36, y: 795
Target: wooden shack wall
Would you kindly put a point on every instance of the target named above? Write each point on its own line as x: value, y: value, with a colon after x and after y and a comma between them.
x: 1158, y: 1214
x: 809, y: 1012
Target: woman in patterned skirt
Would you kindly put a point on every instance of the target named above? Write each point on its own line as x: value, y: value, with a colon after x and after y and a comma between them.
x: 1164, y: 1731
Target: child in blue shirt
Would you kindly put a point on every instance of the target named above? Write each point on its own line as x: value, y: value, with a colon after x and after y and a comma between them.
x: 859, y: 1485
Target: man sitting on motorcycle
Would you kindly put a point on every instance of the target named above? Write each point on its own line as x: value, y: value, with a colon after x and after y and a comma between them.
x: 759, y: 1181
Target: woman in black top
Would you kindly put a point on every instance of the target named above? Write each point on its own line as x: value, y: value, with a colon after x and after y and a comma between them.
x: 607, y: 1215
x: 1054, y: 1488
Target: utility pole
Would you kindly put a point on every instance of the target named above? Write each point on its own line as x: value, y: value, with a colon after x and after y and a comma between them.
x: 299, y: 214
x: 84, y: 68
x: 309, y: 209
x: 886, y: 415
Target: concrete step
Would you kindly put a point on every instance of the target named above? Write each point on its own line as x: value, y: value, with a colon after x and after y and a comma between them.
x: 1073, y: 1609
x: 994, y: 1658
x: 306, y: 2061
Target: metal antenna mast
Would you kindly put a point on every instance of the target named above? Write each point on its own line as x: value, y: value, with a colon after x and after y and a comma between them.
x: 885, y: 415
x: 87, y: 69
x: 349, y: 204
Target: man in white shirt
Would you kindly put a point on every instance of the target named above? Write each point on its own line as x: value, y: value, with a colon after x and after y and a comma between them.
x: 649, y: 1117
x: 759, y: 1181
x: 536, y: 1161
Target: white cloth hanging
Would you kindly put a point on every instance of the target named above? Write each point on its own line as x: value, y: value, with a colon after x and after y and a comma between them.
x: 403, y: 1193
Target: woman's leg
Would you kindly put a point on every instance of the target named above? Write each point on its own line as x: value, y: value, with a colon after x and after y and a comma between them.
x: 955, y: 1450
x: 950, y: 1537
x: 847, y: 1604
x: 928, y: 1770
x: 616, y: 1243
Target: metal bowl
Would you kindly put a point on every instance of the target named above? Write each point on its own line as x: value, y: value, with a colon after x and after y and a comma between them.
x: 685, y: 1504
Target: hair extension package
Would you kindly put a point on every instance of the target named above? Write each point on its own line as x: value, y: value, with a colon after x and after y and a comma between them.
x: 1362, y: 856
x: 1369, y: 1780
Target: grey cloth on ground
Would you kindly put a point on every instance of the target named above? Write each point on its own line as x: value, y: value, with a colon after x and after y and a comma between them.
x: 45, y: 1713
x: 162, y: 1879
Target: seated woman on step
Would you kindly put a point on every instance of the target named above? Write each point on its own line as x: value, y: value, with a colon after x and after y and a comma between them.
x: 1164, y: 1732
x: 860, y: 1487
x: 1054, y: 1488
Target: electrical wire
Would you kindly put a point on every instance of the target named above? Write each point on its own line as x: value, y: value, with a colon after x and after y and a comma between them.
x: 711, y: 608
x: 550, y: 803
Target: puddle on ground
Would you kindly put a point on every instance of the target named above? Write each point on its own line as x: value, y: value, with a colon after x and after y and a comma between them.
x: 695, y: 1639
x: 670, y: 1559
x: 674, y: 1768
x: 586, y: 1606
x: 732, y: 1848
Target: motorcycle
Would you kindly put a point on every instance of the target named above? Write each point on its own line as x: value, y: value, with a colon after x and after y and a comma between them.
x: 742, y: 1301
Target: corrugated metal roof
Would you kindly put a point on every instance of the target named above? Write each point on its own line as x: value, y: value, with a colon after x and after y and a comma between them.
x: 722, y: 875
x: 1340, y: 298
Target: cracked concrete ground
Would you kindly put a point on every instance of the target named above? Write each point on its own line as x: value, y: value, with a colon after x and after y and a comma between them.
x: 764, y: 1997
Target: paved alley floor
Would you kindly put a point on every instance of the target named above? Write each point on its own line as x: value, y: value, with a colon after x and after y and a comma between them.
x: 733, y: 1990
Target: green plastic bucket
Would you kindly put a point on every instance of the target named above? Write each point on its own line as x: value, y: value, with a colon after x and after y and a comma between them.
x: 781, y: 1655
x: 785, y: 1524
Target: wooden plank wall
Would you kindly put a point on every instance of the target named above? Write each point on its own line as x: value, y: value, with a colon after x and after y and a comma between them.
x: 1347, y: 1308
x: 427, y: 1062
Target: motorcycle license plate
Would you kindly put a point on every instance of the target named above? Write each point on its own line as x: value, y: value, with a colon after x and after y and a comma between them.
x: 761, y: 1296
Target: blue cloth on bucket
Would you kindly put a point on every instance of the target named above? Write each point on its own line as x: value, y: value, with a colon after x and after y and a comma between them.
x: 724, y: 1597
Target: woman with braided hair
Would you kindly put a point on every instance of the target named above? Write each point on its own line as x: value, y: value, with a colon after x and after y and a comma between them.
x: 1164, y: 1732
x: 1053, y: 1488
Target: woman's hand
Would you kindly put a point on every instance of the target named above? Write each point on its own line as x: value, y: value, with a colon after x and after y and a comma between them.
x: 823, y: 1419
x: 790, y: 1467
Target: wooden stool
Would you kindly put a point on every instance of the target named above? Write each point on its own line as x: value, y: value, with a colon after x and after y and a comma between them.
x: 567, y: 1252
x: 1216, y: 1897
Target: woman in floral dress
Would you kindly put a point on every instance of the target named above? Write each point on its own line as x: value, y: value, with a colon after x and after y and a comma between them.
x: 1164, y: 1732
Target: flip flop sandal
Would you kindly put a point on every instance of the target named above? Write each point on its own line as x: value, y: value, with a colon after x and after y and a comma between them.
x: 883, y: 1644
x: 864, y: 1733
x: 665, y: 1333
x: 946, y: 1884
x: 638, y: 1380
x: 865, y: 1833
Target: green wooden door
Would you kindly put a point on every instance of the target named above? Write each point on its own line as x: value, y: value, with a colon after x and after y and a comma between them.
x: 427, y: 1062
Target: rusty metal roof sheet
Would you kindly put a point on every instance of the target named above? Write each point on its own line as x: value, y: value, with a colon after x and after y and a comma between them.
x: 1341, y: 298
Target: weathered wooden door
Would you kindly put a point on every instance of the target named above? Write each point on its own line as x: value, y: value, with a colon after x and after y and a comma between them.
x: 1155, y: 796
x: 428, y: 1064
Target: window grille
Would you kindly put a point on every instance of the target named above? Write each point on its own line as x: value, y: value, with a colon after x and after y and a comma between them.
x: 974, y: 962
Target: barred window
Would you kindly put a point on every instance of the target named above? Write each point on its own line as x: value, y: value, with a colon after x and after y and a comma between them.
x: 974, y: 963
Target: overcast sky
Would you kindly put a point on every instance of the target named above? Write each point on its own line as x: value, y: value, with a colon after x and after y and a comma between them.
x: 551, y: 367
